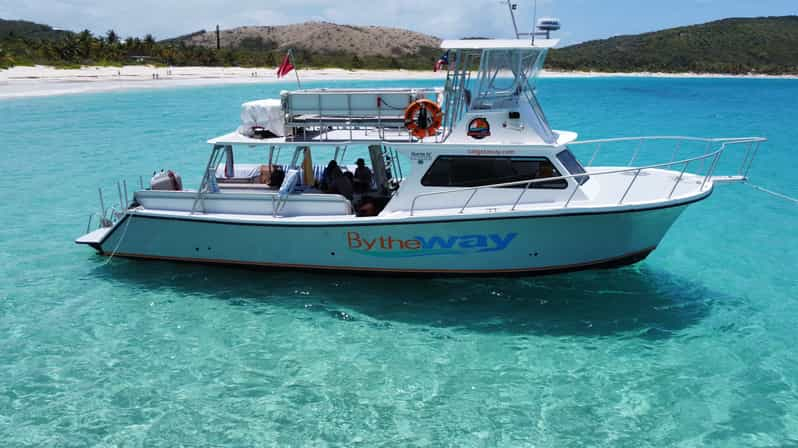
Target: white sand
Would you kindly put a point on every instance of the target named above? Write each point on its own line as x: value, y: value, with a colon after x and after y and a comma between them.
x: 20, y: 82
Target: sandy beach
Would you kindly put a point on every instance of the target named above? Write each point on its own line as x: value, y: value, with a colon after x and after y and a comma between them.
x: 33, y: 81
x: 20, y: 82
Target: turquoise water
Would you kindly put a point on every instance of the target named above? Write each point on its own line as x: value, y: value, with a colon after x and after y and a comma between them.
x: 693, y: 347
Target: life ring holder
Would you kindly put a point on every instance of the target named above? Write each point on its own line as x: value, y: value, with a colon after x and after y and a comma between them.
x: 433, y: 120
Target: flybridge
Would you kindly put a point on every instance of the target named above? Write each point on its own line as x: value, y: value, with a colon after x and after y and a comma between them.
x: 500, y: 95
x: 501, y: 92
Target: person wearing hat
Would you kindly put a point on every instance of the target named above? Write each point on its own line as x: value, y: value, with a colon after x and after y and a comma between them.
x: 362, y: 180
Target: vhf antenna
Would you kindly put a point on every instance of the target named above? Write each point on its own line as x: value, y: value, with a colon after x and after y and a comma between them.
x: 542, y: 28
x: 512, y: 7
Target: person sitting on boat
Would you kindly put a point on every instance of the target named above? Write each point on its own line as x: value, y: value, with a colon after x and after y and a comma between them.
x: 329, y: 175
x: 362, y: 179
x: 367, y: 207
x: 276, y: 176
x: 335, y: 181
x: 343, y: 185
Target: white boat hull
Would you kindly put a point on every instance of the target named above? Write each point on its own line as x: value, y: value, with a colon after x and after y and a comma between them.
x: 484, y: 245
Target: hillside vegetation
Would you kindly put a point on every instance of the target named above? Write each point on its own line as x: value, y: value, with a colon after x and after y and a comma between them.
x: 757, y: 45
x: 27, y: 43
x: 10, y: 29
x: 315, y: 45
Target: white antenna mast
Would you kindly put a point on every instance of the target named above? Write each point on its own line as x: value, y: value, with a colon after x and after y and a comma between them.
x: 512, y: 7
x: 542, y: 28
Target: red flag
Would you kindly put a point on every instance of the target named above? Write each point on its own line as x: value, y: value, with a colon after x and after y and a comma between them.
x: 286, y: 67
x: 442, y: 62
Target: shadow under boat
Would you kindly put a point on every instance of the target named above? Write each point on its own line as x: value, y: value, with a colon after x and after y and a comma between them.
x: 638, y: 301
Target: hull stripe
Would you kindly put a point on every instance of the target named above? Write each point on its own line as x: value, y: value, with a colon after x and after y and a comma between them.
x: 401, y: 222
x: 608, y: 262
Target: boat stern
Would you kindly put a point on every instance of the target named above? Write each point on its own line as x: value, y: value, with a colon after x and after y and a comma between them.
x: 95, y: 238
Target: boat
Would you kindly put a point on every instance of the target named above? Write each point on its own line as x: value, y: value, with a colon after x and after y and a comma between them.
x: 464, y: 179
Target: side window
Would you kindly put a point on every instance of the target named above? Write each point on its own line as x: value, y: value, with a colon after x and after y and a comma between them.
x: 469, y: 172
x: 538, y: 168
x: 573, y: 166
x: 438, y: 174
x: 465, y: 171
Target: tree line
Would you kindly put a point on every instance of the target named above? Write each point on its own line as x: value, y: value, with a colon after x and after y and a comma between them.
x: 84, y: 48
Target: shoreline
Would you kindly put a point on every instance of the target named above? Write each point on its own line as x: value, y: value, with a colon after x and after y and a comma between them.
x: 39, y: 81
x: 684, y: 75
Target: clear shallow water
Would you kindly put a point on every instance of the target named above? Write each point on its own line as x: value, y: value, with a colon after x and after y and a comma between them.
x: 694, y: 346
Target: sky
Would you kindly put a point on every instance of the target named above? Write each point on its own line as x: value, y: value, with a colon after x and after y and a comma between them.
x: 582, y: 20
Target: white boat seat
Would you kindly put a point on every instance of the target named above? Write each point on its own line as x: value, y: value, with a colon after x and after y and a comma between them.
x: 246, y: 176
x: 242, y: 173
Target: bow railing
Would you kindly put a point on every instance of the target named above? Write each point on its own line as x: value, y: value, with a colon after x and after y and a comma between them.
x: 712, y: 157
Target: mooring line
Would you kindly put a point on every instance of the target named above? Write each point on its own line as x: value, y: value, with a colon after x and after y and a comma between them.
x: 773, y: 193
x: 119, y: 243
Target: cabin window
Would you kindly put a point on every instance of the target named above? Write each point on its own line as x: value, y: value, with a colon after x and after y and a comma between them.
x: 465, y: 171
x: 573, y: 166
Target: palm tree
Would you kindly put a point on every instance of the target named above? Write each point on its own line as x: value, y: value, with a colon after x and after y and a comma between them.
x: 149, y: 43
x: 84, y: 41
x: 112, y: 37
x: 69, y: 49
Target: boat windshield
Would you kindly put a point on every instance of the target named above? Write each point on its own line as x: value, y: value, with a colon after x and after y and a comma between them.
x: 504, y: 75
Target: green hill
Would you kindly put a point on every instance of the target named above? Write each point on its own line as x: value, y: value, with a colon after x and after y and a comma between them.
x: 29, y: 30
x: 756, y: 45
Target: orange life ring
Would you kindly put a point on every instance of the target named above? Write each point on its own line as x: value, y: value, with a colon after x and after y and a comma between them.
x: 423, y: 118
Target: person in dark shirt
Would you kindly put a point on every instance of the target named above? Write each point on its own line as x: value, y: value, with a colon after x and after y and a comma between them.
x: 332, y: 172
x: 362, y: 179
x: 276, y: 177
x: 343, y: 185
x: 335, y: 181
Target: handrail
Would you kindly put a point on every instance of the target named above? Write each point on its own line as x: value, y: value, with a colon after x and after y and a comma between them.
x: 109, y: 215
x: 715, y: 156
x: 680, y: 139
x: 309, y: 117
x: 671, y: 137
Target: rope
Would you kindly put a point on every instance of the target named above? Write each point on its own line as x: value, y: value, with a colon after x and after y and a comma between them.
x: 382, y: 100
x: 119, y: 243
x: 773, y: 193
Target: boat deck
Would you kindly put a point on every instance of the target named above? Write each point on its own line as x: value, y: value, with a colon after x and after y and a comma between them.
x: 603, y: 193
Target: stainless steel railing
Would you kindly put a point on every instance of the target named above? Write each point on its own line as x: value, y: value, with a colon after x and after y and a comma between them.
x: 107, y: 216
x: 752, y: 147
x: 315, y: 113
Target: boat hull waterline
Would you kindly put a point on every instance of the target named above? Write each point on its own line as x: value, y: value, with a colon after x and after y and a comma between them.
x: 501, y: 245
